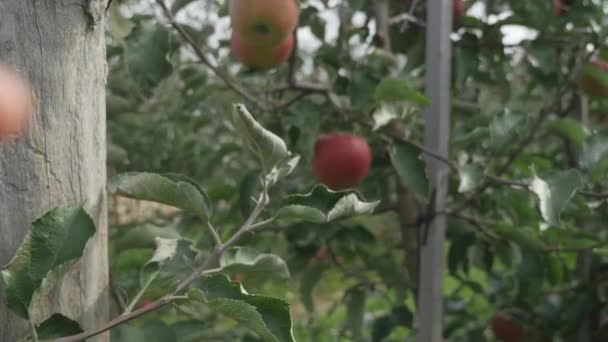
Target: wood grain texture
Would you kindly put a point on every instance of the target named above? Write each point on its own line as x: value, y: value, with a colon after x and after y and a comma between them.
x: 61, y: 160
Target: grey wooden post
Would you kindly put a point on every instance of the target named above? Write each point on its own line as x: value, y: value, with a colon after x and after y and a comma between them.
x: 437, y: 136
x: 59, y: 46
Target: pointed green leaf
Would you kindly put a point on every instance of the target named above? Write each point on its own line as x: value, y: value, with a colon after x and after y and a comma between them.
x: 268, y: 317
x: 267, y: 146
x: 253, y: 266
x: 57, y: 238
x: 323, y: 205
x: 392, y: 89
x: 57, y: 326
x: 554, y: 193
x: 568, y: 128
x: 411, y: 168
x: 170, y: 189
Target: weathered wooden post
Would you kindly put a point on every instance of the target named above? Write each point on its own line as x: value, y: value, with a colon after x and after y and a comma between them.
x: 437, y: 136
x: 59, y: 46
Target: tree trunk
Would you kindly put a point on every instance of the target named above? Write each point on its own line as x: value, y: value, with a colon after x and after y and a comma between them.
x: 58, y: 45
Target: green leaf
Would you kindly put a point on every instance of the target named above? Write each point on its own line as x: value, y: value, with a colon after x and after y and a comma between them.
x: 554, y: 193
x: 57, y: 326
x: 146, y: 56
x: 120, y: 27
x: 143, y: 236
x: 406, y: 159
x: 255, y: 267
x: 519, y: 236
x: 531, y: 273
x: 247, y: 191
x: 268, y: 317
x: 283, y: 169
x: 392, y: 89
x: 310, y: 278
x: 471, y: 176
x: 505, y: 127
x: 355, y: 309
x: 172, y: 256
x: 384, y: 114
x: 568, y: 128
x: 267, y: 146
x: 57, y: 238
x: 323, y: 205
x: 179, y: 4
x: 595, y: 155
x: 384, y: 325
x: 170, y: 189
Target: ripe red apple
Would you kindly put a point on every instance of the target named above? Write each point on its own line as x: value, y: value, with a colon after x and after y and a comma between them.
x: 594, y: 78
x: 506, y: 329
x: 264, y: 22
x: 237, y: 277
x: 16, y: 105
x: 260, y: 57
x: 341, y: 161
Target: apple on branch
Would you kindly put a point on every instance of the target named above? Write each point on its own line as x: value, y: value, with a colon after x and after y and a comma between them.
x: 341, y: 161
x: 264, y: 23
x: 260, y: 57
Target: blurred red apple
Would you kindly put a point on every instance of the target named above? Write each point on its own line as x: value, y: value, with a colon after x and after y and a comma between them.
x: 260, y: 57
x: 264, y: 23
x: 557, y: 7
x: 341, y: 161
x: 16, y: 105
x: 594, y: 78
x: 321, y: 254
x: 507, y: 329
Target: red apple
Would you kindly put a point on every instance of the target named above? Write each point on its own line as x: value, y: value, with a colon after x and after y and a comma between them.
x: 458, y: 11
x: 260, y: 57
x: 16, y: 104
x: 264, y: 22
x: 557, y: 7
x: 237, y: 277
x: 594, y: 78
x: 321, y: 254
x: 506, y: 329
x: 341, y: 161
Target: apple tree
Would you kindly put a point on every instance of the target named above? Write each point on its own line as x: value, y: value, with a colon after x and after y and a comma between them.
x: 294, y: 157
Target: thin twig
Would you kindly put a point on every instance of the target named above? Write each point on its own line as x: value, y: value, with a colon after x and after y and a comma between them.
x: 213, y: 232
x: 211, y: 260
x: 119, y: 320
x: 229, y: 81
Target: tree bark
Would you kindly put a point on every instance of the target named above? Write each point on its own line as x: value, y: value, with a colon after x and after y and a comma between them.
x: 59, y: 46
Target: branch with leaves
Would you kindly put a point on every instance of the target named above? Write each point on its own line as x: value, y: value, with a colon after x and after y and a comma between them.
x: 184, y: 193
